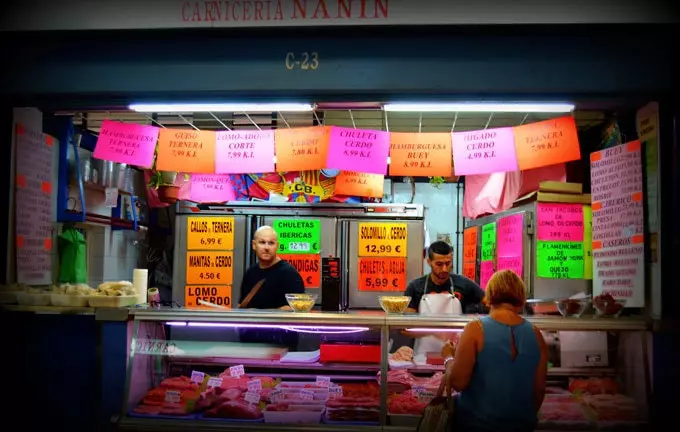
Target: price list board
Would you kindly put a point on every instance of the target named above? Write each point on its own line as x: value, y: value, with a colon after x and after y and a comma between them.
x: 300, y: 245
x: 382, y: 256
x: 618, y: 223
x: 488, y: 252
x: 209, y: 261
x: 470, y: 253
x: 510, y: 240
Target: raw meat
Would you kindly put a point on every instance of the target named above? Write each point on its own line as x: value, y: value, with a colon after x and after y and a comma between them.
x: 235, y: 410
x: 405, y: 404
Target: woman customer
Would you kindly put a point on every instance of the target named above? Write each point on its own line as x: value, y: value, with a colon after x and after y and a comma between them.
x: 500, y: 365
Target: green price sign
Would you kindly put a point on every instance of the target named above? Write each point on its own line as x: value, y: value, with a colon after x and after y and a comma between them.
x: 560, y: 260
x: 298, y: 236
x: 488, y: 241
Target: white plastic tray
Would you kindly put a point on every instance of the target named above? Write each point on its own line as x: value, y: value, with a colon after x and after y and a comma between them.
x: 26, y: 299
x: 66, y: 300
x: 112, y: 302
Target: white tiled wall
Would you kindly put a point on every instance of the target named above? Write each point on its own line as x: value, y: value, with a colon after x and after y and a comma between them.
x: 112, y: 255
x: 441, y: 211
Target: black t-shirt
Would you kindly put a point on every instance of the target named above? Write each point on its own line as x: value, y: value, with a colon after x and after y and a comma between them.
x: 467, y: 291
x: 280, y: 279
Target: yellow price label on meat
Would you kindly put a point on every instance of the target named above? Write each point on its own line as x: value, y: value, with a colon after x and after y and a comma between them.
x: 210, y: 233
x: 210, y: 268
x: 383, y: 239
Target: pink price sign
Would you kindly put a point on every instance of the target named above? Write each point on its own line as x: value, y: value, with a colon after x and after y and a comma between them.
x: 484, y: 151
x: 513, y: 263
x: 485, y: 273
x: 358, y: 150
x: 244, y: 152
x: 127, y: 143
x: 510, y: 230
x: 560, y: 222
x: 211, y: 188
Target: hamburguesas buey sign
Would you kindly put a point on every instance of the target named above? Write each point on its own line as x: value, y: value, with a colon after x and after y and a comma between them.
x: 167, y: 14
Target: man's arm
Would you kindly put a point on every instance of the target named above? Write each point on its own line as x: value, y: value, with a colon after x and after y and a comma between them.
x: 411, y: 292
x: 475, y: 295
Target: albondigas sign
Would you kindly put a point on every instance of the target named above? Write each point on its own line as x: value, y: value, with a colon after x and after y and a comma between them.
x: 166, y: 14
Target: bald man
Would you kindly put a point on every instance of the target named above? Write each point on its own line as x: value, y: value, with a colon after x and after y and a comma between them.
x: 280, y: 278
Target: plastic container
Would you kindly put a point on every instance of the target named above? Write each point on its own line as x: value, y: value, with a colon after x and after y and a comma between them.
x: 608, y: 308
x: 27, y: 299
x: 301, y: 302
x: 112, y: 301
x: 571, y: 307
x: 66, y: 300
x: 394, y: 304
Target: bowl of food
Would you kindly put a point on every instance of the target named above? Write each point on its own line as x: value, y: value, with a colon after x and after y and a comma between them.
x: 301, y: 302
x: 571, y: 307
x: 394, y: 304
x: 607, y: 306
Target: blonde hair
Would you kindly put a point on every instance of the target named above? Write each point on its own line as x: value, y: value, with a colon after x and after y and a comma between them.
x: 505, y: 286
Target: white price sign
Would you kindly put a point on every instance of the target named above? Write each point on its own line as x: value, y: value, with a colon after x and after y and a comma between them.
x: 417, y: 389
x: 255, y: 385
x: 298, y: 247
x: 214, y: 382
x: 197, y: 377
x: 252, y: 397
x: 323, y: 381
x: 172, y: 396
x: 335, y: 391
x: 237, y: 371
x: 306, y: 394
x: 275, y: 395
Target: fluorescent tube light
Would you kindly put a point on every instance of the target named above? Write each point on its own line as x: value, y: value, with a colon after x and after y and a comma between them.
x: 480, y: 107
x: 219, y: 107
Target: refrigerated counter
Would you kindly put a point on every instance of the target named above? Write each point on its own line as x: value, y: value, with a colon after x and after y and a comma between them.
x: 184, y: 374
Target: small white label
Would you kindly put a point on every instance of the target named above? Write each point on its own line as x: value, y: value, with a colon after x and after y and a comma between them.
x: 172, y: 396
x: 334, y: 392
x: 252, y: 397
x: 323, y: 381
x: 306, y: 394
x: 111, y: 195
x: 418, y: 389
x: 197, y: 377
x: 255, y: 385
x: 425, y: 396
x: 298, y: 246
x: 237, y: 371
x: 214, y: 382
x: 275, y: 395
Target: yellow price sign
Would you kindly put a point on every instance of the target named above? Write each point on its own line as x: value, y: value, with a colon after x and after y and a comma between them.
x: 383, y: 239
x: 205, y: 268
x: 210, y: 233
x: 216, y: 294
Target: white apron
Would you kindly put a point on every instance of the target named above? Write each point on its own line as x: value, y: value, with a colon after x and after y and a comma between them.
x: 435, y: 304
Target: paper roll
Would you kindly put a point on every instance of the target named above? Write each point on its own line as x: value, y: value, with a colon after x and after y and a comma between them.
x: 139, y: 282
x: 153, y: 296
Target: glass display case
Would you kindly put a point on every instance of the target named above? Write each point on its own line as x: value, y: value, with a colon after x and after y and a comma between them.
x: 261, y: 370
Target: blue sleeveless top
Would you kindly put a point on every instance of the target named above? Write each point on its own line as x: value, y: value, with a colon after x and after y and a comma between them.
x: 500, y: 395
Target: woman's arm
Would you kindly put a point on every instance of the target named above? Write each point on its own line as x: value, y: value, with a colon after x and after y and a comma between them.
x: 459, y: 370
x: 541, y: 371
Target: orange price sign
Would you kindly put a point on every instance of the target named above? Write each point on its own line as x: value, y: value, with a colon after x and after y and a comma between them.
x: 470, y: 244
x: 420, y: 154
x: 216, y: 294
x: 186, y: 150
x: 301, y: 149
x: 309, y: 267
x: 470, y: 269
x: 546, y: 143
x: 359, y: 184
x: 382, y: 274
x: 210, y: 267
x: 210, y: 233
x: 381, y: 239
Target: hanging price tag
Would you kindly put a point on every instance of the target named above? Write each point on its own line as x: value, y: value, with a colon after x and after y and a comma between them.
x: 197, y: 377
x: 172, y: 396
x: 252, y: 397
x: 255, y: 385
x: 306, y: 394
x: 214, y: 382
x: 237, y: 371
x: 323, y: 381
